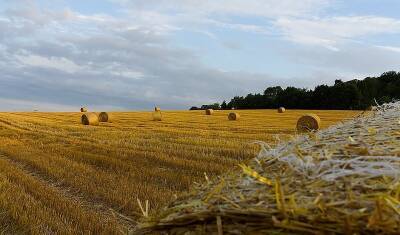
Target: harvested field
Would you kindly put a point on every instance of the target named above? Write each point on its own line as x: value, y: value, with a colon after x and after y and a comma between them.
x: 59, y: 176
x: 341, y: 180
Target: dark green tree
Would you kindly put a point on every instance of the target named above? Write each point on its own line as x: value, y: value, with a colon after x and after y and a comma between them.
x: 224, y: 105
x: 354, y: 94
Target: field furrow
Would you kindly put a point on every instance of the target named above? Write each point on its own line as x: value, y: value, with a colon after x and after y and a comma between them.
x: 70, y: 178
x: 39, y: 207
x: 75, y: 203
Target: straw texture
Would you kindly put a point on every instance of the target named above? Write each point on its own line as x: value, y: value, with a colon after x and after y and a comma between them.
x: 90, y: 119
x: 209, y: 111
x: 105, y: 117
x: 308, y: 122
x: 233, y: 116
x: 342, y: 180
x: 157, y: 116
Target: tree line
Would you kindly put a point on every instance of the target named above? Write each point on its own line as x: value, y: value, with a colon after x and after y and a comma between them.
x: 354, y: 94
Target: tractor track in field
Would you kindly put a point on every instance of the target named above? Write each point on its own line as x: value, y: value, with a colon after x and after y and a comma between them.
x: 125, y: 221
x: 95, y: 173
x: 103, y: 153
x: 100, y: 146
x: 12, y: 126
x: 39, y: 117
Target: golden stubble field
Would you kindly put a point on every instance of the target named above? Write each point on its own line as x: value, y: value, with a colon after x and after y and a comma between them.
x: 58, y: 176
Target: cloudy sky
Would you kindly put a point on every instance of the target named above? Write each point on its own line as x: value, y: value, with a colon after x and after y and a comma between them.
x: 134, y: 54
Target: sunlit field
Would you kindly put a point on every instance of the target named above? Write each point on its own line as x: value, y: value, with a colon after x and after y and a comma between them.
x: 59, y: 176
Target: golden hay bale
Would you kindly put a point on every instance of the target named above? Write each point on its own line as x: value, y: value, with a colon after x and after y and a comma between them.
x: 308, y: 122
x: 157, y: 116
x: 358, y: 187
x: 209, y: 111
x: 90, y: 119
x: 233, y: 116
x: 104, y: 117
x: 281, y: 110
x: 84, y: 110
x: 157, y: 109
x: 371, y: 108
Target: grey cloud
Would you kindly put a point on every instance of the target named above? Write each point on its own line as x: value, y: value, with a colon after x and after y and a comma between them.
x: 119, y: 64
x: 118, y: 67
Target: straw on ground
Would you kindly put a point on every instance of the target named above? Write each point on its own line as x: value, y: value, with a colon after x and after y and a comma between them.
x: 59, y: 176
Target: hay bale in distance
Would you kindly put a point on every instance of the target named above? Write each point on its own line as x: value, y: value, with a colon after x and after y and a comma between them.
x: 84, y: 110
x: 209, y: 111
x: 287, y: 189
x: 90, y: 119
x: 281, y: 110
x: 157, y: 109
x: 308, y: 122
x: 104, y: 117
x: 371, y: 108
x: 157, y: 116
x: 233, y: 116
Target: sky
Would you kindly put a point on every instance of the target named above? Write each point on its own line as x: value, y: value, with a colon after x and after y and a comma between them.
x: 59, y: 55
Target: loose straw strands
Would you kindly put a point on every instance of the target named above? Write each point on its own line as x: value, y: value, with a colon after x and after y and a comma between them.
x: 344, y: 179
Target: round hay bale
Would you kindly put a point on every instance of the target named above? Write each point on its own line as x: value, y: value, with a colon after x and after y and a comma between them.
x: 372, y: 108
x: 308, y: 122
x: 157, y: 109
x: 233, y: 116
x: 90, y: 119
x: 84, y: 110
x: 281, y: 110
x: 209, y: 111
x: 157, y: 116
x: 104, y: 117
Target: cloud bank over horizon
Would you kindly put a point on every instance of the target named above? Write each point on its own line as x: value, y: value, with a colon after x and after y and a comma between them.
x: 134, y: 54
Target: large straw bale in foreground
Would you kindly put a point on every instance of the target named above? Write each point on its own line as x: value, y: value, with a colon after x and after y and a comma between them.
x: 90, y: 119
x: 105, y: 117
x: 209, y: 111
x: 233, y: 116
x: 342, y: 180
x: 308, y: 122
x: 157, y: 116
